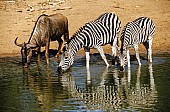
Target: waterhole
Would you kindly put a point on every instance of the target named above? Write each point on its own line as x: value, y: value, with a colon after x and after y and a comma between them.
x: 42, y: 89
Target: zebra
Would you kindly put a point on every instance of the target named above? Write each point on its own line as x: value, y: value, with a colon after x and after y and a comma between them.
x: 139, y: 31
x: 95, y: 34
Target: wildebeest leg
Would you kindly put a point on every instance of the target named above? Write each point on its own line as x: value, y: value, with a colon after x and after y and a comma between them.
x: 66, y: 37
x: 60, y: 41
x: 38, y: 54
x: 47, y: 51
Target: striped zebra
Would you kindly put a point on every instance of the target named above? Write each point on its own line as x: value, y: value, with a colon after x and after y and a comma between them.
x: 104, y: 30
x: 139, y: 31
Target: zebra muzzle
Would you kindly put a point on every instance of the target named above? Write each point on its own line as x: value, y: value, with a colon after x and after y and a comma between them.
x: 122, y: 68
x: 60, y: 69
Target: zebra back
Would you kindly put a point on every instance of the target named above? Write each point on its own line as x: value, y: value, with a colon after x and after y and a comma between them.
x: 137, y: 31
x: 101, y: 31
x: 110, y: 19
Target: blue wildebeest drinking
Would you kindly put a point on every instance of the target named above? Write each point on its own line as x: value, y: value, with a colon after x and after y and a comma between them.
x: 46, y: 29
x: 136, y: 32
x: 104, y: 30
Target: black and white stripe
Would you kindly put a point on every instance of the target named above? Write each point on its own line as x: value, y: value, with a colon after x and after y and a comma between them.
x: 136, y: 32
x: 104, y: 30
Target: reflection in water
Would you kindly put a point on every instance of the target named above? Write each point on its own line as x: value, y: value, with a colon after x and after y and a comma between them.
x: 143, y: 94
x: 42, y: 89
x: 50, y: 91
x: 114, y: 91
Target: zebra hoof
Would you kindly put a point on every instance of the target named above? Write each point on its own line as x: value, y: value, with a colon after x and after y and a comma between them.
x: 122, y: 69
x: 107, y: 65
x: 113, y: 62
x: 60, y: 70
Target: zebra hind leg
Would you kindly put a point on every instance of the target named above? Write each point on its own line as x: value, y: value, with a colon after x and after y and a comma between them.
x: 137, y: 54
x: 114, y: 52
x: 148, y: 45
x: 150, y: 51
x: 113, y: 55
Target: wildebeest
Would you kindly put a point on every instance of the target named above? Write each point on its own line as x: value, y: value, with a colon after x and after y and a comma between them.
x: 47, y: 28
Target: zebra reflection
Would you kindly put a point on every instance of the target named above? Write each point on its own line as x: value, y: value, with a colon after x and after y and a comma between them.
x: 117, y: 90
x: 109, y: 93
x: 142, y: 93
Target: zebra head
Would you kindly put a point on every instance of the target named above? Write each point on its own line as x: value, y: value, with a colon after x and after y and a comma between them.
x: 123, y: 59
x: 66, y: 59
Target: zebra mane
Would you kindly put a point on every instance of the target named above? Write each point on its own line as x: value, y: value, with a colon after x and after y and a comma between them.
x: 35, y: 26
x: 76, y: 33
x: 123, y: 36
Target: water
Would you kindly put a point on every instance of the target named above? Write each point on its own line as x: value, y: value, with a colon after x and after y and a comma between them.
x: 99, y: 89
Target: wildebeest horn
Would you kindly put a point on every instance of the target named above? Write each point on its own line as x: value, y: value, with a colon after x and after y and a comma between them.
x: 20, y: 45
x: 31, y: 45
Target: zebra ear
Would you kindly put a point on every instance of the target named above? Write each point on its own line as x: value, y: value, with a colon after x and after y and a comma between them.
x: 65, y: 43
x: 118, y: 49
x: 65, y: 48
x: 69, y: 52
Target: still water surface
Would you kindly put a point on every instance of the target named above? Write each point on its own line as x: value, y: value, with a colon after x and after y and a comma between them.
x: 99, y: 89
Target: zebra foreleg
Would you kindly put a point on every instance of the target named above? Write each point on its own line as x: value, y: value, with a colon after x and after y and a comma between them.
x: 87, y: 51
x: 150, y: 51
x: 88, y: 76
x: 137, y: 54
x: 128, y: 57
x: 114, y: 53
x: 100, y: 49
x: 87, y: 59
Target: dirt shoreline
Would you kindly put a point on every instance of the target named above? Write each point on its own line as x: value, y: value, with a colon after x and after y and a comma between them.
x: 18, y: 19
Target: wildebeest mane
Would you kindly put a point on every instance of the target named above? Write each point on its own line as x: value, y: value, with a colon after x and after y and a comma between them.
x: 35, y: 26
